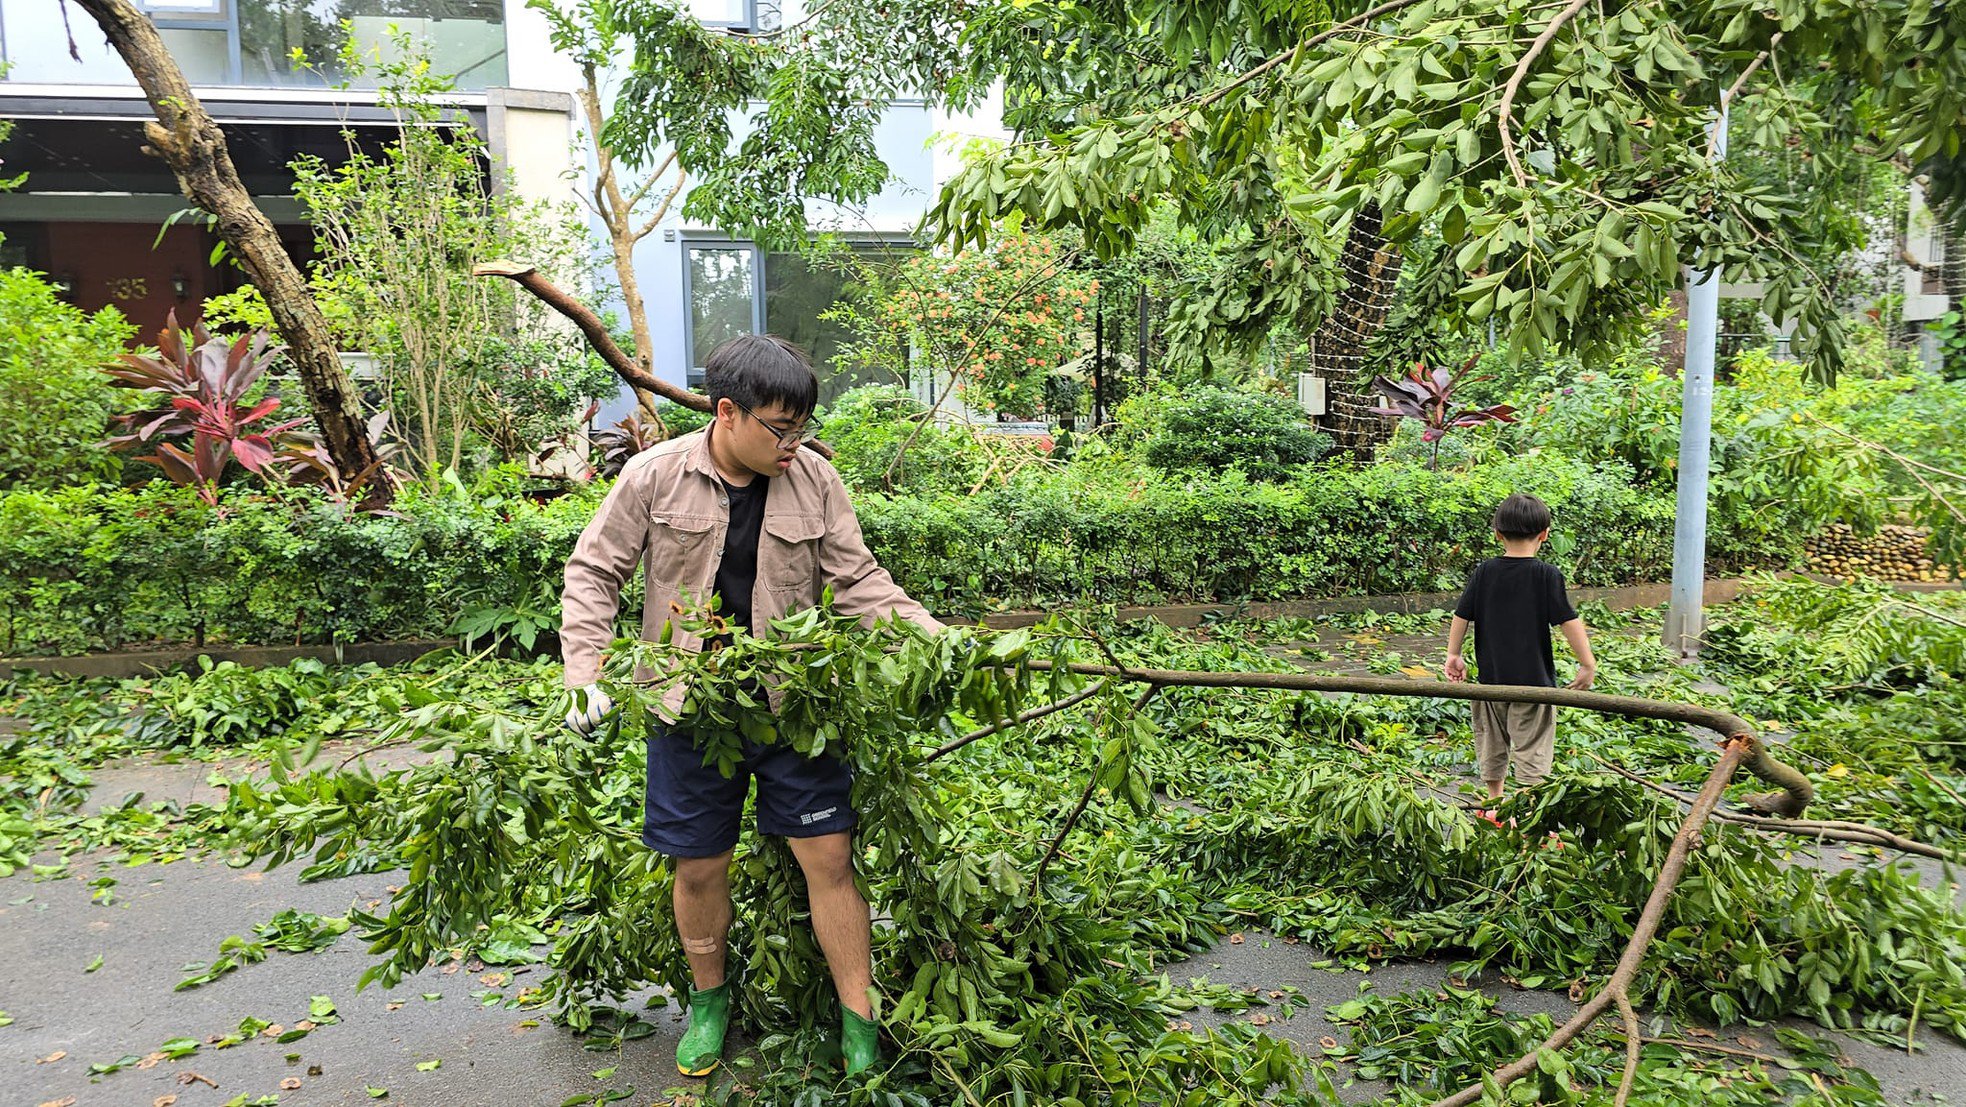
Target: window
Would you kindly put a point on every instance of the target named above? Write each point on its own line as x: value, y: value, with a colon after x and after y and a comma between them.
x: 738, y: 15
x: 734, y: 289
x: 251, y: 42
x: 720, y: 283
x: 796, y: 295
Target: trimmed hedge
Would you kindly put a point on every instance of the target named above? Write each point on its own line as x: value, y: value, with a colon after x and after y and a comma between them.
x: 1136, y: 537
x: 88, y: 568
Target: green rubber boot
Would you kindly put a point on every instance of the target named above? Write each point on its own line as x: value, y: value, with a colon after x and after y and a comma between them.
x: 860, y: 1040
x: 702, y: 1047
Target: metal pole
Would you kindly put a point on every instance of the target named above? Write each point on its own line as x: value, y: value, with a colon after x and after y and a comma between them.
x: 1685, y: 618
x: 1099, y: 359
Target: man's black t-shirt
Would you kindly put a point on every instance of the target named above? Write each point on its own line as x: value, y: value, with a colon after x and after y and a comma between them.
x: 739, y: 568
x: 1513, y: 602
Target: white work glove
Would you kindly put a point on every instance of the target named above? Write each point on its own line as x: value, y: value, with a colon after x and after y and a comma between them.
x: 590, y: 706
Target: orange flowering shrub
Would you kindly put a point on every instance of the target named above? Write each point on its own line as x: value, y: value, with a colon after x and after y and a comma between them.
x: 995, y: 321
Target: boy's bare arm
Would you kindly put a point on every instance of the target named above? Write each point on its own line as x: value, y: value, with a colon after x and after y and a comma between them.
x: 1580, y: 644
x: 1457, y: 633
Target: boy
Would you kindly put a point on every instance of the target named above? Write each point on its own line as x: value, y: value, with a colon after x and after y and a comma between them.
x: 737, y: 510
x: 1512, y: 601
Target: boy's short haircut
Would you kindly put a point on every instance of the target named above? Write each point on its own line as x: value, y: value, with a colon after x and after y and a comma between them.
x: 759, y: 371
x: 1521, y: 516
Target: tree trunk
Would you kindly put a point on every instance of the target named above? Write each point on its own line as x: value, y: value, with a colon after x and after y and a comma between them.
x: 188, y: 141
x: 1670, y: 335
x: 1371, y: 270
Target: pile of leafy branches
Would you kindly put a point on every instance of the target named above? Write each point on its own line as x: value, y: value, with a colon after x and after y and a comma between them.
x: 58, y: 731
x: 1033, y: 880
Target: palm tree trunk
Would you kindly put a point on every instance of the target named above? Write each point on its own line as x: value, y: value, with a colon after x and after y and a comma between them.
x: 1371, y: 270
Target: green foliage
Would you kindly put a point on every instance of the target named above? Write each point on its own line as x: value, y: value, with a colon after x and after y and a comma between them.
x: 290, y: 931
x: 54, y: 400
x: 87, y: 569
x: 994, y: 324
x: 1861, y: 634
x: 809, y: 100
x: 1950, y: 330
x: 1784, y: 461
x: 868, y: 428
x: 470, y: 364
x: 1279, y: 129
x: 1432, y: 1043
x: 681, y: 420
x: 1010, y: 967
x: 226, y: 703
x: 1212, y: 429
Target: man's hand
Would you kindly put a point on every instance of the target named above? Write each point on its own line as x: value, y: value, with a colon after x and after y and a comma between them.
x: 1586, y: 676
x: 1457, y: 668
x: 590, y: 706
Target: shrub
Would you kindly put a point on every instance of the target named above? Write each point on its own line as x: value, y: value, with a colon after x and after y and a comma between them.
x: 1216, y: 429
x: 868, y: 427
x: 86, y: 568
x: 54, y: 400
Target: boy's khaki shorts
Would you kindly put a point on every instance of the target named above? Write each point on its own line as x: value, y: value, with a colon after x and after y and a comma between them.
x: 1523, y: 733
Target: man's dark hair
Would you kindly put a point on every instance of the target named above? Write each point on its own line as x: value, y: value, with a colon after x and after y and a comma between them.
x: 1521, y: 516
x: 759, y: 370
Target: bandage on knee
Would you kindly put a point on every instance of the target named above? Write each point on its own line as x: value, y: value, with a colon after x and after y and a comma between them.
x: 702, y: 945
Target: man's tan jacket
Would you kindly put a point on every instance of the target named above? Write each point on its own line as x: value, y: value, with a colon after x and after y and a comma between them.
x: 669, y: 512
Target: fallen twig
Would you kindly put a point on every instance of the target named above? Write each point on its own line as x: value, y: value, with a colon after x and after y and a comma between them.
x: 1072, y: 700
x: 1085, y: 798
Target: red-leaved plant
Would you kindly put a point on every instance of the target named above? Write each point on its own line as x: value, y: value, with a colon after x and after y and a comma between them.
x: 305, y: 459
x: 1428, y: 396
x: 203, y: 386
x: 622, y: 441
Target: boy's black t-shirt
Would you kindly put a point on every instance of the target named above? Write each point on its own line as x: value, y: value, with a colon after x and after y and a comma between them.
x: 1513, y: 602
x: 738, y: 570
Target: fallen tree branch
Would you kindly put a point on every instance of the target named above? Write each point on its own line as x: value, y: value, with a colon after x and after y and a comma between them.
x: 1630, y: 1018
x: 1681, y: 1043
x: 1072, y: 700
x: 1618, y: 987
x: 529, y: 278
x: 1834, y: 830
x: 1795, y: 789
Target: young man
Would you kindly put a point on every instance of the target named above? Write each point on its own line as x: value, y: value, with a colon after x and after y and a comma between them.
x: 1512, y: 601
x: 737, y: 510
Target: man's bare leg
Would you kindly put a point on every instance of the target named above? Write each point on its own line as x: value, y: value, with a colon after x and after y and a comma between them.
x: 839, y: 916
x: 703, y: 914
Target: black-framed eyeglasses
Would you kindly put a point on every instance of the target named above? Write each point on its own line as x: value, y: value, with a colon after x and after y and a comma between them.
x: 787, y: 438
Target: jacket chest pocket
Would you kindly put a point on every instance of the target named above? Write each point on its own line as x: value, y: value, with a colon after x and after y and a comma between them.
x: 679, y: 549
x: 788, y: 556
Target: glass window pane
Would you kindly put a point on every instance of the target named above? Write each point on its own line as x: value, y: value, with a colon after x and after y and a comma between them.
x: 465, y: 38
x: 718, y: 11
x: 720, y: 303
x: 203, y: 55
x: 796, y: 295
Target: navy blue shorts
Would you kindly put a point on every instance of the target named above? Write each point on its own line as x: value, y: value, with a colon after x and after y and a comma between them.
x: 692, y: 810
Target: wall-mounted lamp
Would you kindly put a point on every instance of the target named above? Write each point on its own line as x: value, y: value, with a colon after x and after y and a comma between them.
x: 65, y: 284
x: 179, y: 286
